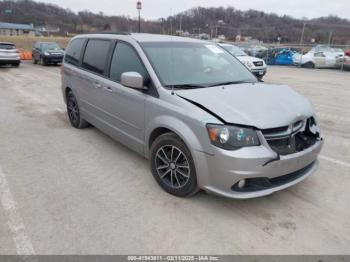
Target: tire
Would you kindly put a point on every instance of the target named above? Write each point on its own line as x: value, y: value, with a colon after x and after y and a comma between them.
x: 42, y: 61
x: 35, y: 61
x: 74, y: 112
x: 309, y: 65
x: 15, y: 65
x: 172, y: 166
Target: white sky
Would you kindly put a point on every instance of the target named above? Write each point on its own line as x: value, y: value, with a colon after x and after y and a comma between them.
x: 153, y: 9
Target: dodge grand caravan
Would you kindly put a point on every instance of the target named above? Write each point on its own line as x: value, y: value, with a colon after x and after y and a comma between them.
x: 190, y: 107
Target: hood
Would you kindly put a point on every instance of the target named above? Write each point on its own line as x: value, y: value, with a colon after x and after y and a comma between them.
x: 248, y: 59
x: 259, y: 105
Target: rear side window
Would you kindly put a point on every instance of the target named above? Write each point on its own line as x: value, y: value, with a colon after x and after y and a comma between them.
x: 7, y: 46
x: 125, y: 59
x: 74, y: 50
x: 95, y: 55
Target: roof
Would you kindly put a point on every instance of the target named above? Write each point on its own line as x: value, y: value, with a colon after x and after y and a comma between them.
x: 6, y: 43
x: 16, y: 26
x: 140, y: 37
x: 162, y: 38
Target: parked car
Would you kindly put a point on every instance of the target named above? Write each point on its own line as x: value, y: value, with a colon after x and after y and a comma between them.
x: 319, y: 57
x: 255, y: 50
x: 280, y: 56
x: 9, y: 54
x: 198, y: 114
x: 47, y: 53
x: 256, y: 65
x: 344, y: 62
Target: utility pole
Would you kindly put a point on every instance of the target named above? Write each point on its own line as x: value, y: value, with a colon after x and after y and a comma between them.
x: 171, y: 21
x: 330, y: 37
x: 181, y: 23
x: 302, y: 35
x: 301, y: 41
x: 139, y: 7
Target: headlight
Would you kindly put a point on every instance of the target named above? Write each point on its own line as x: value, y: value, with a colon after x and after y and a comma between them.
x: 46, y: 53
x: 248, y: 64
x: 232, y: 137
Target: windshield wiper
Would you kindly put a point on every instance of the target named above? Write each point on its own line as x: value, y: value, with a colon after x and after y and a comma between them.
x: 230, y: 83
x: 186, y: 86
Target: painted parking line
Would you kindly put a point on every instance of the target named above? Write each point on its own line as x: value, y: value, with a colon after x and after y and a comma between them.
x: 335, y: 161
x: 14, y: 220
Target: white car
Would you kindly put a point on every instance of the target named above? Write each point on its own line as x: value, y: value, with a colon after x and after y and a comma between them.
x: 319, y: 57
x: 256, y: 65
x: 9, y: 55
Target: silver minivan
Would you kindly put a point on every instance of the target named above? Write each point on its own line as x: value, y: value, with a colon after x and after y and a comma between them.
x: 198, y: 114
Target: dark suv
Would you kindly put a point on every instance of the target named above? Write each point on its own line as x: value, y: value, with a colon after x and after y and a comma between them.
x: 47, y: 53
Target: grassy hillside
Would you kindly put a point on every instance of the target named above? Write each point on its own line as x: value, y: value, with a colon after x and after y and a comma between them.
x: 24, y: 43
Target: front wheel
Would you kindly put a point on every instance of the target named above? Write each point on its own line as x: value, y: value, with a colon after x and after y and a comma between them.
x: 172, y: 166
x: 42, y: 61
x: 74, y: 112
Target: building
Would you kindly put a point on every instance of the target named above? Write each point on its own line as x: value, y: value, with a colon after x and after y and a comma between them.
x: 16, y: 29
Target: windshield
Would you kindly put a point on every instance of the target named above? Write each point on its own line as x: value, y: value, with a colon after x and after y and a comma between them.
x: 194, y: 64
x: 234, y: 50
x: 50, y: 46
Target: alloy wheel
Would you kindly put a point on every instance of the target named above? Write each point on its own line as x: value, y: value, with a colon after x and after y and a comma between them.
x: 73, y: 110
x: 172, y: 166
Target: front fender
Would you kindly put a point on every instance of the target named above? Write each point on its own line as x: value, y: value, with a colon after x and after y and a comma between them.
x: 178, y: 127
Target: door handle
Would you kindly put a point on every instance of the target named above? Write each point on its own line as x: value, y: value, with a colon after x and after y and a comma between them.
x: 97, y: 85
x: 108, y: 89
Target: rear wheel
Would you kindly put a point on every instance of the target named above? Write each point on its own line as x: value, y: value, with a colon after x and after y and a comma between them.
x: 309, y: 65
x: 15, y: 65
x: 74, y: 112
x: 172, y: 166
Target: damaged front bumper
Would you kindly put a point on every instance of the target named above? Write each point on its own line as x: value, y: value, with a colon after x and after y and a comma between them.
x: 263, y: 170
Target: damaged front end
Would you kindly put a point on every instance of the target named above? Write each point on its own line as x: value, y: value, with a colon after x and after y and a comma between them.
x: 293, y: 138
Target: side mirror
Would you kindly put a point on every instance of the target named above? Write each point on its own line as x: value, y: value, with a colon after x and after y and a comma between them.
x: 132, y: 79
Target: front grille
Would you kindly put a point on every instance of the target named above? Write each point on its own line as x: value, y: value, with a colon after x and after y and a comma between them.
x: 294, y: 138
x: 258, y: 63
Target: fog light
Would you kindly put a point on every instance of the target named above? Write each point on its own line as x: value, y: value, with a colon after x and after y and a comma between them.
x: 241, y: 183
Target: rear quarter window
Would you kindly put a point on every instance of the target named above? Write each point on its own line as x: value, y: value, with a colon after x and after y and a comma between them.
x: 7, y: 46
x: 74, y: 51
x: 95, y: 56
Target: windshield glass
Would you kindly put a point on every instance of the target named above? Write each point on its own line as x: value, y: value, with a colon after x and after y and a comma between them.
x: 201, y: 64
x: 50, y: 46
x: 236, y: 51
